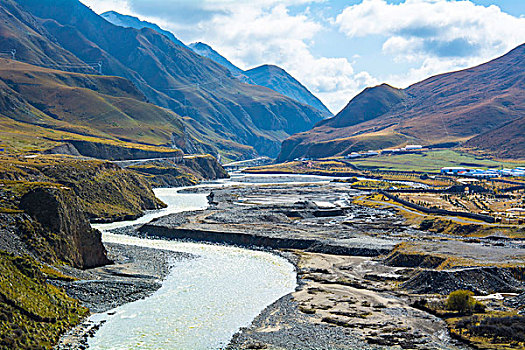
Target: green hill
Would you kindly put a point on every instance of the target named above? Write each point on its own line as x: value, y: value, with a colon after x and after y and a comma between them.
x: 41, y: 102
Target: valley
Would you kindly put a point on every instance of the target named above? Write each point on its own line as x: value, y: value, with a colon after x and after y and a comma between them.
x: 156, y: 194
x: 362, y: 269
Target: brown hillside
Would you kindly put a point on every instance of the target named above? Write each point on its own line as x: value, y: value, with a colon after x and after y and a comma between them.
x: 53, y: 104
x: 451, y: 107
x: 506, y: 141
x: 369, y: 104
x: 174, y: 77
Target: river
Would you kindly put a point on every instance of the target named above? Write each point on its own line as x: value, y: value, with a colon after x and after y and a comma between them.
x: 204, y: 300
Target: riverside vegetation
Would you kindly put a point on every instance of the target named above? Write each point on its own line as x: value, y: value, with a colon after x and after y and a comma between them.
x: 33, y: 313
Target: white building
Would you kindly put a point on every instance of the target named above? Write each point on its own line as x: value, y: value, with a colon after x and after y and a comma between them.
x: 371, y: 153
x: 352, y: 155
x: 413, y: 147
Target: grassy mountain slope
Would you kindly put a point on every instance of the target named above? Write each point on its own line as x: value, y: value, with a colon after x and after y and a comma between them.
x: 451, y: 107
x: 506, y: 141
x: 22, y: 32
x: 102, y: 107
x: 223, y: 108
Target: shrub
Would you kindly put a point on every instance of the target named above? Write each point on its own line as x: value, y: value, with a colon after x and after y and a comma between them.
x: 479, y: 307
x: 499, y: 329
x: 426, y: 224
x: 463, y: 302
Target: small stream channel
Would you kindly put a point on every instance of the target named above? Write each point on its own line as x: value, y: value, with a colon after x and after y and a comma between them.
x: 204, y: 300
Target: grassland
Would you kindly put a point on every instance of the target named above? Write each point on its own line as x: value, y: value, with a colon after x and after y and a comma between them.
x: 418, y: 162
x: 430, y: 161
x: 33, y: 313
x: 102, y: 107
x: 104, y: 189
x: 18, y: 137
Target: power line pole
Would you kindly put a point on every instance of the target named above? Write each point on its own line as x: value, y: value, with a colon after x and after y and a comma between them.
x: 13, y: 52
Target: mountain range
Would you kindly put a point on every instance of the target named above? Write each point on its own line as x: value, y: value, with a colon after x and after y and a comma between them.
x: 279, y: 80
x: 76, y: 76
x: 481, y: 107
x: 219, y: 112
x: 269, y: 76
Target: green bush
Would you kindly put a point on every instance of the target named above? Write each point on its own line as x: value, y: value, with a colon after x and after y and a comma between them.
x: 463, y: 302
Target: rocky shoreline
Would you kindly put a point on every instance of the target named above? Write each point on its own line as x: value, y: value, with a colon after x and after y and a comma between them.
x: 137, y: 272
x: 357, y: 285
x: 353, y: 277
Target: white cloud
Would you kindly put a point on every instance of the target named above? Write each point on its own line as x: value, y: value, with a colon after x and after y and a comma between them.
x: 434, y: 35
x: 251, y: 33
x: 264, y: 32
x: 440, y: 21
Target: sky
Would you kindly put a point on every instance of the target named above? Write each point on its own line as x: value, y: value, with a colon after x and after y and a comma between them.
x: 336, y: 48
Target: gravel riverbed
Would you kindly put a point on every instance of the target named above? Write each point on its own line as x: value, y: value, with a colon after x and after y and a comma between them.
x: 137, y: 272
x: 348, y: 295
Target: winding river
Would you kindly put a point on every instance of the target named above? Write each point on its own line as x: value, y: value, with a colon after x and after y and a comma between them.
x: 204, y: 300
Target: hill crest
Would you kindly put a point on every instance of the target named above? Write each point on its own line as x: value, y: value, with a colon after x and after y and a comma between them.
x: 450, y: 107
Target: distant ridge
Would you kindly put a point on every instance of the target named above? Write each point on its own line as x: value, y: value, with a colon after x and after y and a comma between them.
x: 484, y: 105
x: 279, y: 80
x: 272, y: 77
x: 133, y: 22
x: 206, y: 51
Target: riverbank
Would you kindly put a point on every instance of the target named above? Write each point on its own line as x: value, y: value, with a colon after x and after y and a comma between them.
x: 361, y: 270
x: 137, y: 272
x: 337, y: 307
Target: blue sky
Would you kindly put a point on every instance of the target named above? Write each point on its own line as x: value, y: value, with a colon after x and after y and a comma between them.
x: 338, y: 47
